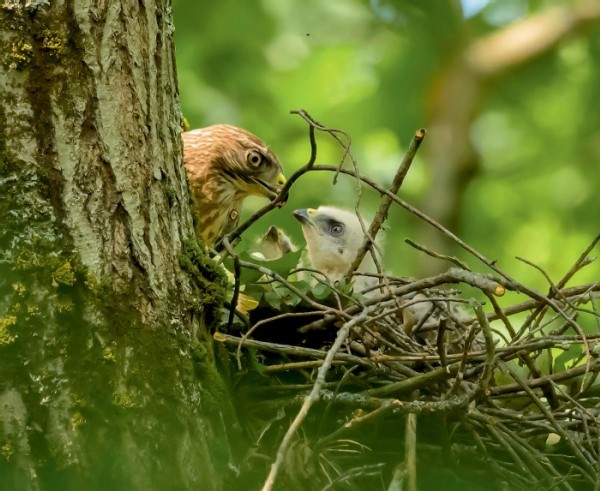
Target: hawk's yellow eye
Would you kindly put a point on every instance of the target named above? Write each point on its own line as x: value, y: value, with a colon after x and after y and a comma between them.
x: 254, y: 158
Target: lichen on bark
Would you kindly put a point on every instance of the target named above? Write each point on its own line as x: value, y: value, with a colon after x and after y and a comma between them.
x: 109, y: 377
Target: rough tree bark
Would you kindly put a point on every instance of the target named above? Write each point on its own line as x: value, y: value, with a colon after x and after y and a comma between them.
x: 106, y: 374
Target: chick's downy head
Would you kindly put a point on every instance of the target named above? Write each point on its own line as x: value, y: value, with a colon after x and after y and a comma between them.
x: 333, y: 238
x: 275, y: 244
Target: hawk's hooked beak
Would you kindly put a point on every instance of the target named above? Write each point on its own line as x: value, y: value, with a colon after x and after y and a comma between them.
x: 281, y: 180
x: 271, y: 191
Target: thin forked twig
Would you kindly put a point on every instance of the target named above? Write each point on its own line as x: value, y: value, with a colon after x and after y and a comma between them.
x: 386, y: 202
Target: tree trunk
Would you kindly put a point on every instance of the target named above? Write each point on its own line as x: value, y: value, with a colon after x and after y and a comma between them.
x: 107, y: 373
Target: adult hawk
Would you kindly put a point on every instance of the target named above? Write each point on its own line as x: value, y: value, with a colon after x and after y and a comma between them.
x: 224, y: 165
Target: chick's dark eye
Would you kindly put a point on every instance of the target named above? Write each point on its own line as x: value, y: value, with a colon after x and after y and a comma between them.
x: 255, y: 158
x: 336, y: 229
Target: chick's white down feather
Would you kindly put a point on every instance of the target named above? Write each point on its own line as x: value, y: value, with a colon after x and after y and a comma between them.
x: 333, y: 238
x: 273, y: 245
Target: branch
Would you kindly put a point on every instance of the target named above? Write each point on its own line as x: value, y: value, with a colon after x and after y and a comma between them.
x: 311, y: 398
x: 523, y: 41
x: 386, y: 201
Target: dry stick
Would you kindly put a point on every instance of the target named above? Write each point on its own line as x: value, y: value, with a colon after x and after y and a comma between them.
x: 515, y: 446
x: 533, y: 458
x: 490, y: 349
x: 311, y: 398
x: 286, y: 349
x: 538, y: 382
x: 508, y: 447
x: 385, y: 407
x: 437, y: 255
x: 524, y: 356
x: 554, y: 290
x: 413, y: 383
x: 464, y: 359
x: 550, y: 417
x: 237, y: 271
x: 490, y: 264
x: 489, y: 462
x: 501, y: 314
x: 572, y: 270
x: 386, y: 202
x: 585, y: 414
x: 530, y: 304
x: 410, y: 443
x: 298, y: 365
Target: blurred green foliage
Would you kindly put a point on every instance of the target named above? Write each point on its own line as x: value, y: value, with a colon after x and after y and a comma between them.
x: 373, y: 68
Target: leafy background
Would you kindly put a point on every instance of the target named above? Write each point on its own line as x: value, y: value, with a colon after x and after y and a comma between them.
x: 378, y: 69
x: 510, y: 162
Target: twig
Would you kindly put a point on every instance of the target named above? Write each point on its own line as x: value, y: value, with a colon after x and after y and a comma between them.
x: 311, y: 398
x: 549, y: 416
x: 572, y: 270
x: 538, y: 382
x: 410, y: 443
x: 286, y: 349
x: 237, y: 271
x: 386, y: 202
x: 490, y: 349
x: 429, y: 252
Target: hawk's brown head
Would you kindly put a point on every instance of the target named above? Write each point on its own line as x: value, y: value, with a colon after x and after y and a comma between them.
x: 225, y: 164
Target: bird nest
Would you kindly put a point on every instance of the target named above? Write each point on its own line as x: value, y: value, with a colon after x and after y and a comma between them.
x: 413, y: 383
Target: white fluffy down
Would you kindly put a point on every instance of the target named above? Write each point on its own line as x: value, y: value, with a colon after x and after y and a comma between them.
x: 333, y: 238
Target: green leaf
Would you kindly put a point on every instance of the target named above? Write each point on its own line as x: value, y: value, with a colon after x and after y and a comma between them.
x: 247, y: 275
x: 287, y: 296
x: 273, y: 299
x: 321, y: 291
x: 302, y: 286
x: 566, y: 359
x: 284, y: 264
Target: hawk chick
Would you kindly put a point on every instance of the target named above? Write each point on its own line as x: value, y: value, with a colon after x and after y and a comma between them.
x: 274, y: 244
x: 333, y: 238
x: 224, y: 165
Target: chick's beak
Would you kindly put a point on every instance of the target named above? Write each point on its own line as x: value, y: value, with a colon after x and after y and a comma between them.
x: 301, y: 215
x: 304, y: 215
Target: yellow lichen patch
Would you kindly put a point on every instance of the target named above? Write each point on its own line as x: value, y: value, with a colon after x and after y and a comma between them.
x: 5, y: 336
x: 77, y: 420
x: 90, y: 280
x: 19, y: 288
x: 64, y: 305
x: 53, y: 41
x: 7, y: 450
x: 64, y: 274
x: 20, y: 55
x: 108, y: 354
x: 125, y: 400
